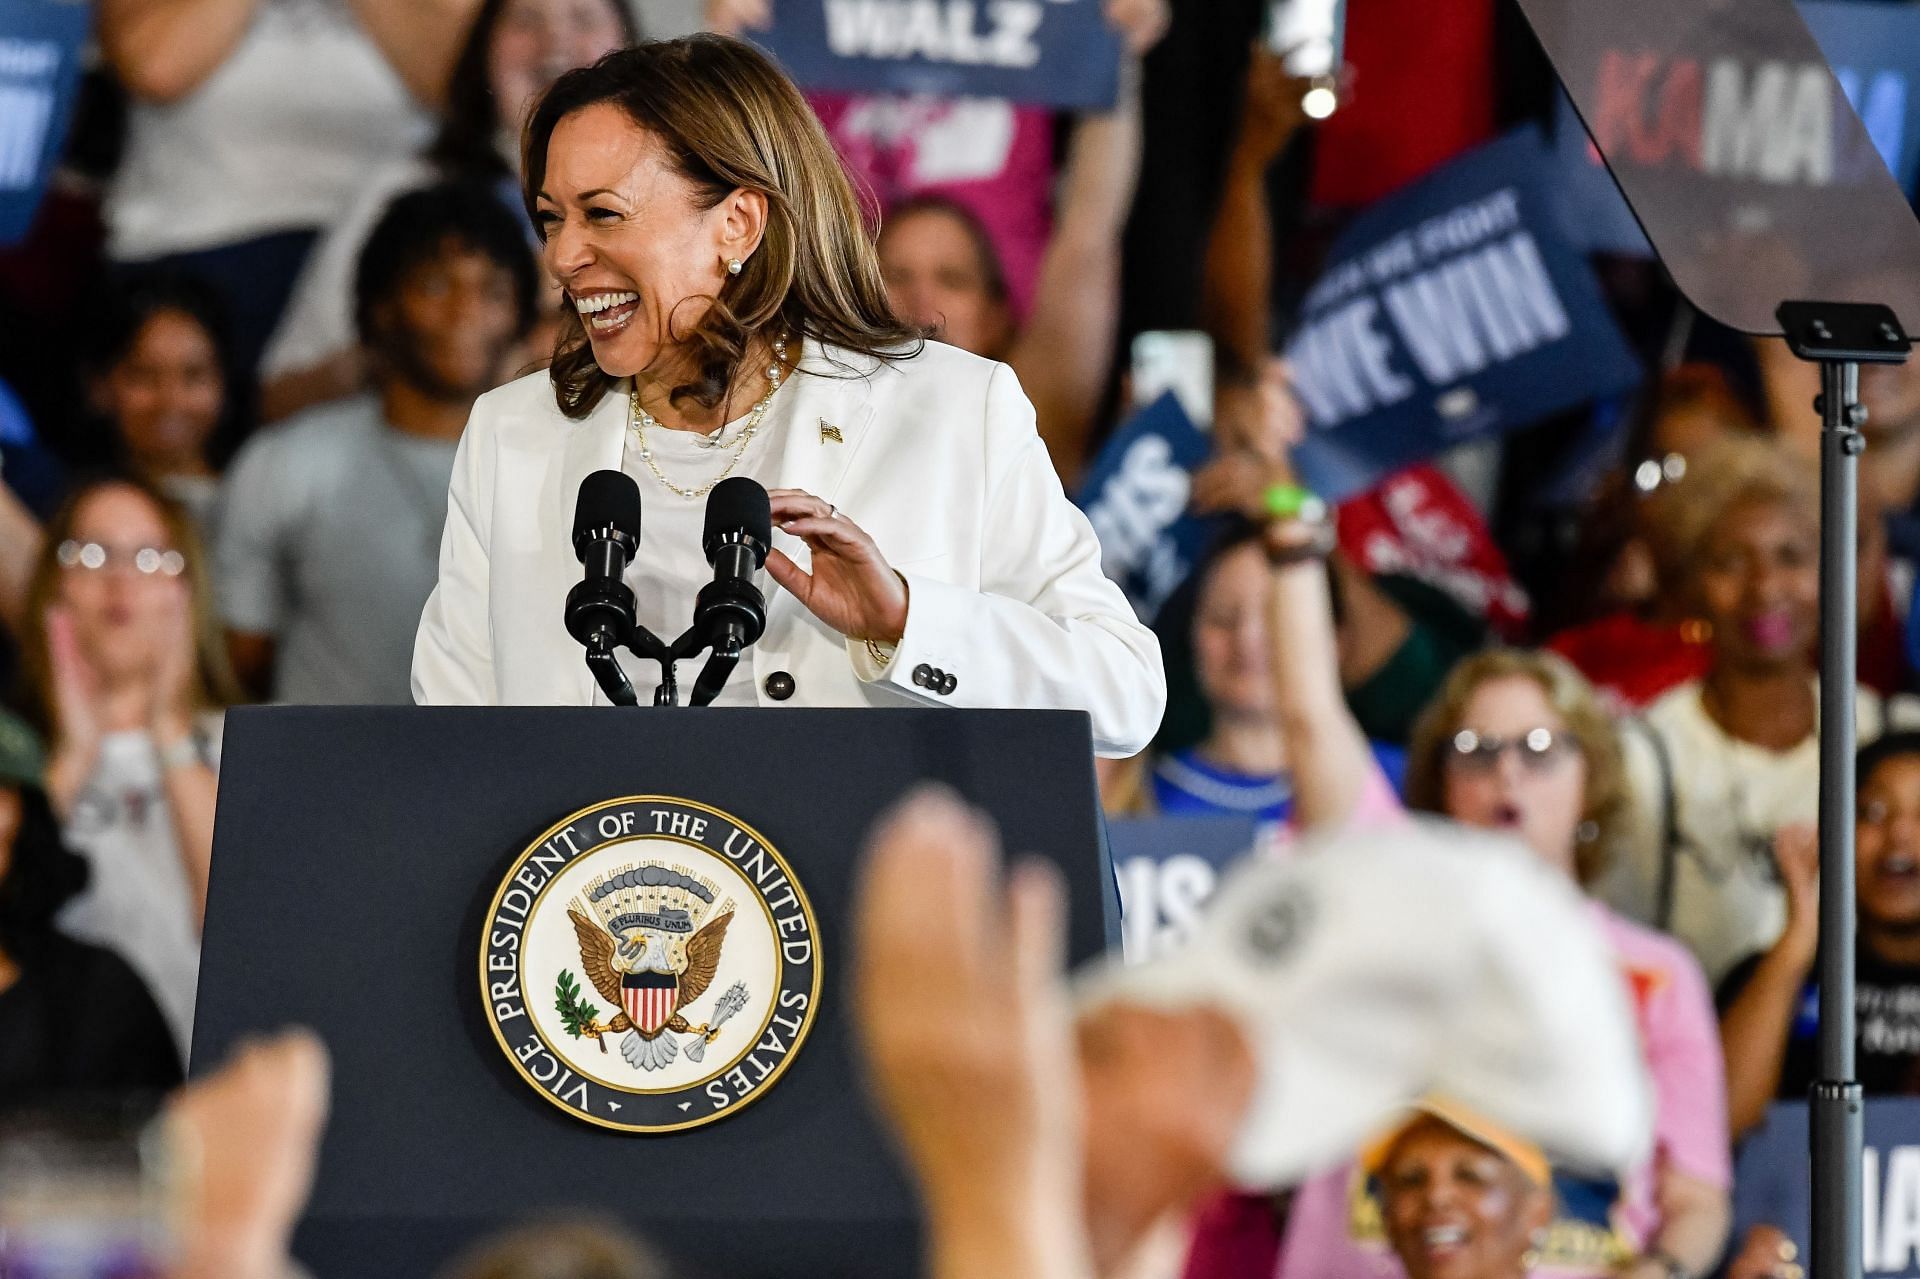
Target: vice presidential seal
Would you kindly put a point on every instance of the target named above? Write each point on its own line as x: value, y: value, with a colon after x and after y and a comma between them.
x: 650, y: 964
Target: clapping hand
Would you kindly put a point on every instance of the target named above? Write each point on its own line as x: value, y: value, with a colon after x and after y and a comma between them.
x: 76, y: 692
x: 170, y: 711
x: 1796, y: 851
x: 851, y: 588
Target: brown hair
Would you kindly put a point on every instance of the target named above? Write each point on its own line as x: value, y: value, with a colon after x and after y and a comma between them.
x: 213, y: 684
x: 1571, y: 697
x: 729, y: 120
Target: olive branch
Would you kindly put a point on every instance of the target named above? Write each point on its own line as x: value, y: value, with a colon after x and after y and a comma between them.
x: 576, y: 1014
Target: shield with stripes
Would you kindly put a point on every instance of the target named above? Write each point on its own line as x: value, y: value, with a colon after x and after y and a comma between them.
x: 650, y: 999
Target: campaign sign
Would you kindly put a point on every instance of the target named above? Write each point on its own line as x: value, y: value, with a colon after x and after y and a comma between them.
x: 1135, y: 496
x: 1056, y: 53
x: 1772, y: 1182
x: 1453, y: 310
x: 40, y: 46
x: 1874, y: 50
x: 1168, y: 868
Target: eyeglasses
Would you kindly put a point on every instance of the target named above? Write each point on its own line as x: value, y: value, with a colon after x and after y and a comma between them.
x: 1669, y: 468
x: 147, y: 561
x: 1539, y: 749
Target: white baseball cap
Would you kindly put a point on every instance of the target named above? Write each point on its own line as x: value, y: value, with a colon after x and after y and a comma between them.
x: 1372, y: 969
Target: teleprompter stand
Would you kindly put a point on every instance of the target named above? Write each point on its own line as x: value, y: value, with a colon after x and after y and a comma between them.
x: 1839, y: 337
x: 1789, y: 213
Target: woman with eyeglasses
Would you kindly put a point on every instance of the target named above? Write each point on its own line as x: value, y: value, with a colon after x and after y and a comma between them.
x: 1517, y: 741
x: 1721, y: 764
x: 128, y: 678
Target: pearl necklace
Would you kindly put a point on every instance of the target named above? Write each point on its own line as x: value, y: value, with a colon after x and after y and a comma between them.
x: 638, y: 420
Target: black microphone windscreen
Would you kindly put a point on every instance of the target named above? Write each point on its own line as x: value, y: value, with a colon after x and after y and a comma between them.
x: 738, y: 505
x: 608, y: 499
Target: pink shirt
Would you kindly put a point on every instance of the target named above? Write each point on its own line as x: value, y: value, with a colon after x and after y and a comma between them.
x: 991, y: 156
x: 1333, y: 1230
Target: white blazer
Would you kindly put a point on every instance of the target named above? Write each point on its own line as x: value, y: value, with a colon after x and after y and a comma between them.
x: 936, y: 457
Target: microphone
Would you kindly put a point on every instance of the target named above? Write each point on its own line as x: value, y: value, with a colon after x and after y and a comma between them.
x: 730, y: 611
x: 606, y: 533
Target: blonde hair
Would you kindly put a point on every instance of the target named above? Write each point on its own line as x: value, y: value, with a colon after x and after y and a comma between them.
x: 730, y: 120
x: 214, y: 686
x: 1571, y: 697
x: 1727, y: 473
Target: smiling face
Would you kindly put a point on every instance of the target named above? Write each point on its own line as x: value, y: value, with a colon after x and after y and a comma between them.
x: 1757, y: 578
x: 535, y: 41
x: 936, y: 280
x: 1456, y: 1209
x: 1886, y: 836
x: 1231, y: 653
x: 166, y: 393
x: 1538, y: 797
x: 627, y: 237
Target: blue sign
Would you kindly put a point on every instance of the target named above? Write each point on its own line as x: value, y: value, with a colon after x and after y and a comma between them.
x: 40, y: 46
x: 1056, y: 53
x: 1874, y: 50
x: 1135, y: 496
x: 1772, y: 1183
x: 1453, y: 310
x: 1167, y: 868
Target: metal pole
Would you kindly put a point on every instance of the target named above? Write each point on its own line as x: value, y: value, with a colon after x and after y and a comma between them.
x: 1835, y: 1104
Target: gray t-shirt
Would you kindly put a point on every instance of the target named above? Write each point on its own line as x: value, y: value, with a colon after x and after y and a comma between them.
x: 329, y: 535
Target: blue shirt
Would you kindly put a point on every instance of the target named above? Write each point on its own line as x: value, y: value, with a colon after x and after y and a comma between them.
x: 1185, y: 785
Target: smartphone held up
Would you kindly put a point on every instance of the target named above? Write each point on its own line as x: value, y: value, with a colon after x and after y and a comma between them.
x: 1308, y: 36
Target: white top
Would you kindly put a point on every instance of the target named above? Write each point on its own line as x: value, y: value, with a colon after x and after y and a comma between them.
x: 139, y: 902
x: 1729, y: 797
x: 318, y: 321
x: 671, y: 566
x: 277, y: 138
x: 934, y: 456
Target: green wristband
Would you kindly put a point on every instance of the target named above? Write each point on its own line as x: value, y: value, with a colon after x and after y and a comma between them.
x: 1292, y: 502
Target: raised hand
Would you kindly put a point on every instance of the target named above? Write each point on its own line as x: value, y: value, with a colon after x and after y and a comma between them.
x: 851, y: 588
x: 76, y: 689
x: 1796, y: 851
x: 961, y: 1009
x: 1140, y: 23
x: 733, y: 17
x: 170, y: 713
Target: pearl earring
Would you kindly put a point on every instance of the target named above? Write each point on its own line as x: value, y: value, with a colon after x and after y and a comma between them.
x: 733, y: 266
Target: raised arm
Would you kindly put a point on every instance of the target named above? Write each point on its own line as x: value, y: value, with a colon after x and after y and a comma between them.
x: 1236, y: 293
x: 162, y: 50
x: 421, y: 39
x: 19, y: 548
x: 1757, y: 1022
x: 1064, y: 354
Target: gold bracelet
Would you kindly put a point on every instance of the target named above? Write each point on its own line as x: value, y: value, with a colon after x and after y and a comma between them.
x: 880, y: 657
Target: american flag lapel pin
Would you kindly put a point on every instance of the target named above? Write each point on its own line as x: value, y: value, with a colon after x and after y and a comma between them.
x: 829, y: 433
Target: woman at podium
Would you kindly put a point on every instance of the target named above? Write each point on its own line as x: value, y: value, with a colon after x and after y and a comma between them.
x: 726, y: 317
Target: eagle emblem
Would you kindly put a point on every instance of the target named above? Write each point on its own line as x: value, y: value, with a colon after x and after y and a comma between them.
x: 647, y: 947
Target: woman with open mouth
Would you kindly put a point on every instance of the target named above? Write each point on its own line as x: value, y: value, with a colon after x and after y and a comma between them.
x: 727, y: 319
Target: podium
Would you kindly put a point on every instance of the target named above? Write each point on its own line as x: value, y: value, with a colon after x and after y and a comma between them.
x: 364, y: 859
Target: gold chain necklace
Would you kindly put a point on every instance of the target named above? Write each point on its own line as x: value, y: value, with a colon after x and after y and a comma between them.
x: 638, y: 420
